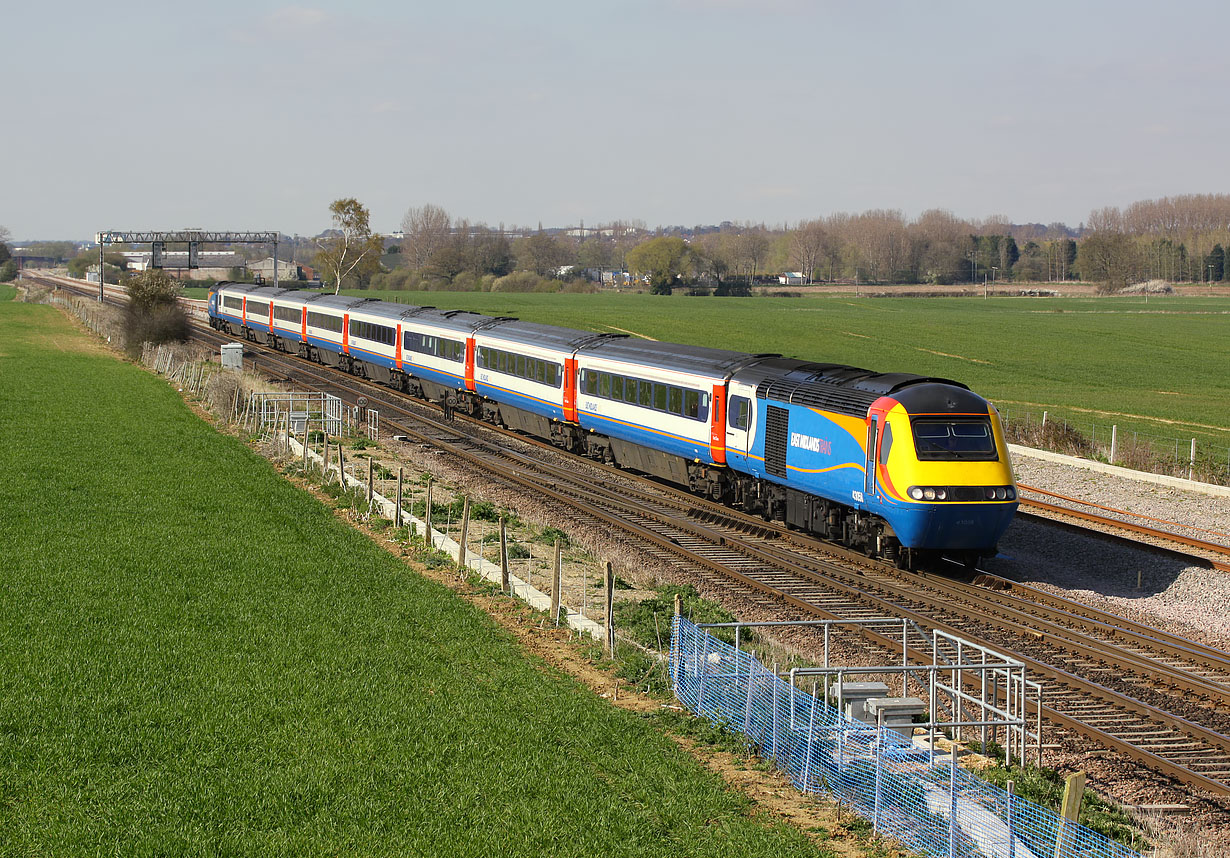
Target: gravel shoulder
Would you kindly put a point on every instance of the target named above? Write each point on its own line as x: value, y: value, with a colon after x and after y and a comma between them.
x: 1185, y: 600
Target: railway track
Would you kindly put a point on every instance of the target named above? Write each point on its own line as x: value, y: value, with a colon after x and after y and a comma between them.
x: 1211, y: 548
x: 1155, y: 698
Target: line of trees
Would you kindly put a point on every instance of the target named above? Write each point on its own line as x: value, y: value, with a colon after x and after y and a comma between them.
x: 1176, y: 239
x: 877, y: 246
x: 8, y: 268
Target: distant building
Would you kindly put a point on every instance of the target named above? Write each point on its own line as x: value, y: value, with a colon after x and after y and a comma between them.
x: 286, y: 270
x: 618, y: 278
x: 791, y: 278
x: 214, y: 264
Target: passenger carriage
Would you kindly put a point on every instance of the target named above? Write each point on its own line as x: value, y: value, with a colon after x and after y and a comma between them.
x: 901, y: 466
x: 661, y: 405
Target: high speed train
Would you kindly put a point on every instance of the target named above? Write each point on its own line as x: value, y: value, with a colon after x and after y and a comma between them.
x: 903, y: 467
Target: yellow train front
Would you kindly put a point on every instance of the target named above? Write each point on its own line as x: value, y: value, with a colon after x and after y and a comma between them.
x: 903, y: 467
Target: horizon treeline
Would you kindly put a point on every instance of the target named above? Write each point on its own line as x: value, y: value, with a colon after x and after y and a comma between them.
x: 1176, y: 239
x: 1179, y: 239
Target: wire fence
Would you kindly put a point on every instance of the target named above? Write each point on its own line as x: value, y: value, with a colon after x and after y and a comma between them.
x: 915, y: 795
x: 1188, y: 458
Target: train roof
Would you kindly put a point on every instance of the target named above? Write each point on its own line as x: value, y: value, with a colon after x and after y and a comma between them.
x: 536, y: 334
x: 843, y: 389
x: 700, y: 360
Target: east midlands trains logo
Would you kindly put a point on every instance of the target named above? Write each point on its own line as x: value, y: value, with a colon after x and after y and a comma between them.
x: 807, y: 442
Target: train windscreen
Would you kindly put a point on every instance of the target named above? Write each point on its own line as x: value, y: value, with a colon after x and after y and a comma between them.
x: 948, y: 439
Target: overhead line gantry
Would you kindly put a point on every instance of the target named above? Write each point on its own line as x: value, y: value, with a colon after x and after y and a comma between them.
x: 194, y: 238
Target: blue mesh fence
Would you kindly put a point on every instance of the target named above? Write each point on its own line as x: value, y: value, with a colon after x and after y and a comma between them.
x: 929, y: 805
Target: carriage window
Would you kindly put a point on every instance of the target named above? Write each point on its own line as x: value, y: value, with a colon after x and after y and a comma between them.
x: 630, y: 390
x: 691, y: 404
x: 738, y: 416
x: 325, y: 322
x: 676, y: 401
x: 659, y: 396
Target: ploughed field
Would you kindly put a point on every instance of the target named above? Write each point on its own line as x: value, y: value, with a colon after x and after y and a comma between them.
x: 195, y: 656
x: 1155, y: 367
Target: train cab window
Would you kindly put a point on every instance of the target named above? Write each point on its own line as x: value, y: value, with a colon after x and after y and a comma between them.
x: 968, y: 438
x: 886, y: 443
x: 739, y: 408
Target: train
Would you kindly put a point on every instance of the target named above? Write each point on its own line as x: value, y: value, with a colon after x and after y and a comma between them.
x: 905, y: 468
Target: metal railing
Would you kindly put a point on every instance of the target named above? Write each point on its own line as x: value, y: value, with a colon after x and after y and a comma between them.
x: 915, y: 795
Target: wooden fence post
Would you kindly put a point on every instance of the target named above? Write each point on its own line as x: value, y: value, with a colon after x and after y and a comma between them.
x: 341, y: 466
x: 557, y: 576
x: 431, y: 541
x: 465, y: 532
x: 371, y: 464
x: 324, y: 461
x: 610, y: 608
x: 1073, y: 795
x: 397, y: 510
x: 503, y: 556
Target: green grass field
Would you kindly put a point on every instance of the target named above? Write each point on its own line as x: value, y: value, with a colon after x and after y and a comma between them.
x: 1161, y: 367
x: 198, y: 658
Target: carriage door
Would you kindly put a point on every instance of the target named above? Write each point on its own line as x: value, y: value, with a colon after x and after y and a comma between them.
x: 740, y: 423
x: 873, y: 434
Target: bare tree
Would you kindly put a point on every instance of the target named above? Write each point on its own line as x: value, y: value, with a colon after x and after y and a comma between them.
x: 944, y: 244
x: 753, y: 248
x: 879, y: 237
x: 350, y: 244
x: 427, y: 229
x: 807, y: 244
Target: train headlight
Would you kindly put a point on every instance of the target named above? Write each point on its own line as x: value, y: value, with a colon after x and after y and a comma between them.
x: 929, y: 493
x: 1011, y: 493
x: 916, y: 493
x: 990, y: 493
x: 941, y: 494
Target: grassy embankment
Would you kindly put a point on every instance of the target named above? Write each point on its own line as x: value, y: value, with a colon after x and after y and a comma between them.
x: 197, y: 657
x: 1156, y: 367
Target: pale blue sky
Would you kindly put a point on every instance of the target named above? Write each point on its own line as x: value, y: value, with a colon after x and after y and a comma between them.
x: 256, y: 115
